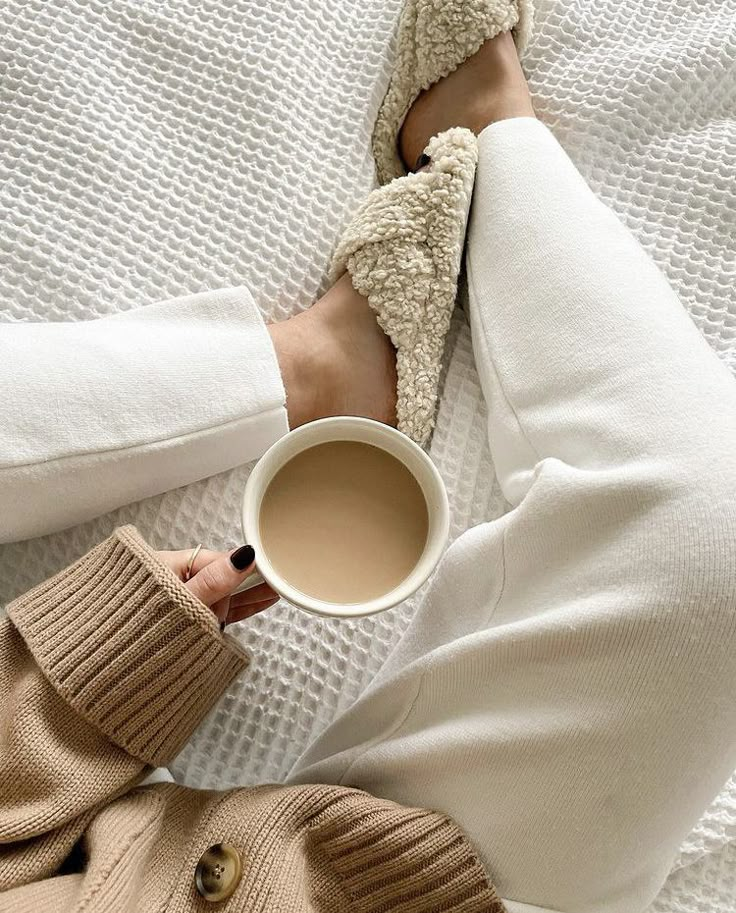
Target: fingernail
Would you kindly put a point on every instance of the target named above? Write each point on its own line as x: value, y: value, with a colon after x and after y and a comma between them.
x: 423, y: 160
x: 242, y: 557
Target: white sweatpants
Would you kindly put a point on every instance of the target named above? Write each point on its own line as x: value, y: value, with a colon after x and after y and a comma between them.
x: 566, y: 691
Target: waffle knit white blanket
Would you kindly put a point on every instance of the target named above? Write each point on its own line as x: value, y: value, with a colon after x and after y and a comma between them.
x: 150, y: 148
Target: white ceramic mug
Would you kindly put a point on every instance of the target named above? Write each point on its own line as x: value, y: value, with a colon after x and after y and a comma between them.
x: 366, y: 431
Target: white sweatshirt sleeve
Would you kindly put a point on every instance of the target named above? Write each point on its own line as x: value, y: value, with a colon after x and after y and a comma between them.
x: 97, y: 414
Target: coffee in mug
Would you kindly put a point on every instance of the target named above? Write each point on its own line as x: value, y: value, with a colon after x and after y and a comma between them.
x: 347, y: 517
x: 344, y: 521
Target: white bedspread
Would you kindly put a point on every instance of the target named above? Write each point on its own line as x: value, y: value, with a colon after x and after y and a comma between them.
x: 158, y: 147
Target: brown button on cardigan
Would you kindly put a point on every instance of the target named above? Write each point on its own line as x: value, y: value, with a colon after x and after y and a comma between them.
x: 105, y: 670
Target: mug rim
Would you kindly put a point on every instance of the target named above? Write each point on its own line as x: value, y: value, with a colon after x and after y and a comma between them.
x: 328, y: 429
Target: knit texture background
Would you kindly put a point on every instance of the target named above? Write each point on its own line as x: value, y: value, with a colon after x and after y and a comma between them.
x: 158, y: 147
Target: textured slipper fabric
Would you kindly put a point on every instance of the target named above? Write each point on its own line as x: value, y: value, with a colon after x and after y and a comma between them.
x: 403, y: 251
x: 434, y: 38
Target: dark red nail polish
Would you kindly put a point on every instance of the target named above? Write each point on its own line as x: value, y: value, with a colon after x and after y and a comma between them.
x: 242, y: 557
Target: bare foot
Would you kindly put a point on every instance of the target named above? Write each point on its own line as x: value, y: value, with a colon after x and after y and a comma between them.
x: 336, y: 360
x: 487, y: 87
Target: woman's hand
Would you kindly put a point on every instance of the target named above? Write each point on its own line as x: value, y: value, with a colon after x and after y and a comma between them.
x: 214, y: 575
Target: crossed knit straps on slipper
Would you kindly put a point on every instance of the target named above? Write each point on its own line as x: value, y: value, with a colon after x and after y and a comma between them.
x: 403, y: 251
x: 434, y: 38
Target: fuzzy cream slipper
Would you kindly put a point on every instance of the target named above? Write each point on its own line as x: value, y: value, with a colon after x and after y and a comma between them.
x: 434, y: 38
x: 403, y: 251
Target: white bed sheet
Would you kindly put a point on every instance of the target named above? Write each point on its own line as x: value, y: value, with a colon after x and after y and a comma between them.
x: 157, y: 147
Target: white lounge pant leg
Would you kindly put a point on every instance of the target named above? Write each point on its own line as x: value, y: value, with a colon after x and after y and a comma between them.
x: 566, y: 689
x: 96, y: 414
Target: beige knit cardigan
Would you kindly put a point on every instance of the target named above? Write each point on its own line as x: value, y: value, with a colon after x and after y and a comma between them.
x: 105, y: 670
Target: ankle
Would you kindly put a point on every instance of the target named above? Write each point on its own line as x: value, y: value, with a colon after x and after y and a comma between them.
x: 306, y: 360
x: 338, y: 334
x: 490, y: 86
x: 508, y: 92
x: 336, y: 360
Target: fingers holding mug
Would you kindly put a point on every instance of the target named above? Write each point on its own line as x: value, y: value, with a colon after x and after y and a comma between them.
x: 251, y: 602
x: 217, y: 579
x: 213, y: 576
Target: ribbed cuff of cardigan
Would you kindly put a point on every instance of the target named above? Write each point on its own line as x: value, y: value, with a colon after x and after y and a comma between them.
x: 392, y: 858
x: 128, y: 646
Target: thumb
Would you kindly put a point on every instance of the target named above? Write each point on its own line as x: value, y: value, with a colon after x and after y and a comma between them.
x: 220, y: 577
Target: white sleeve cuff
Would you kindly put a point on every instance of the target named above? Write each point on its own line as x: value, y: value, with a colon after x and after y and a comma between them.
x: 101, y: 413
